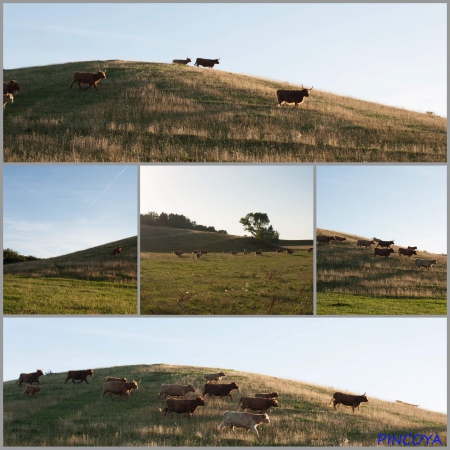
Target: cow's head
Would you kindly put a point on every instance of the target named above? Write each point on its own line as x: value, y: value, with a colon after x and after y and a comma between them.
x: 90, y: 372
x: 134, y: 385
x: 39, y: 371
x: 200, y: 401
x: 363, y: 398
x: 234, y: 385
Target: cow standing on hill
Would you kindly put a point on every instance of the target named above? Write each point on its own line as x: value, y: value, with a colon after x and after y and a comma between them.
x: 182, y: 406
x: 31, y: 390
x: 119, y: 388
x: 87, y: 78
x: 206, y: 62
x: 220, y: 390
x: 30, y: 378
x: 79, y: 375
x: 257, y: 403
x: 115, y: 251
x: 11, y: 88
x: 348, y: 400
x: 292, y: 96
x: 244, y: 420
x: 181, y: 61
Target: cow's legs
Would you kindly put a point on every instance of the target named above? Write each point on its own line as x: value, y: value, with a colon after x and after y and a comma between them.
x: 255, y: 431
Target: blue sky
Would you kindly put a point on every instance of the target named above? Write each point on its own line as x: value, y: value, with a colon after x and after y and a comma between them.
x: 405, y: 203
x: 389, y: 358
x: 59, y: 209
x: 220, y: 195
x: 394, y: 54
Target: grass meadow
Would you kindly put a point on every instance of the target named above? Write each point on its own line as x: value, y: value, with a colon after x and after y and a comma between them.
x: 85, y: 282
x: 350, y: 280
x: 149, y: 112
x: 75, y: 415
x: 222, y: 283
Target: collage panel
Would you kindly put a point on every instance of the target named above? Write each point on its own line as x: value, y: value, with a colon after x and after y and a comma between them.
x: 227, y: 240
x: 355, y: 385
x: 382, y: 240
x: 70, y: 239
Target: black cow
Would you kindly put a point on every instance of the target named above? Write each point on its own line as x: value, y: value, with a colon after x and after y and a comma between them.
x: 385, y: 244
x: 79, y: 375
x: 220, y: 390
x: 348, y: 400
x: 382, y: 251
x: 290, y: 96
x: 406, y: 252
x: 206, y: 62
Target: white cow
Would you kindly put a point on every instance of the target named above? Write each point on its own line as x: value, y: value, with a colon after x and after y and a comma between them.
x: 243, y: 420
x: 428, y: 263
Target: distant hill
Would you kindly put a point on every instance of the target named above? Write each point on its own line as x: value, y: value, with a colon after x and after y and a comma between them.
x: 148, y: 111
x: 73, y: 415
x: 159, y: 239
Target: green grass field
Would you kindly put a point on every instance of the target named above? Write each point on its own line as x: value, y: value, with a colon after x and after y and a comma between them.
x: 75, y: 415
x: 146, y: 112
x: 350, y: 280
x: 222, y: 283
x: 86, y: 282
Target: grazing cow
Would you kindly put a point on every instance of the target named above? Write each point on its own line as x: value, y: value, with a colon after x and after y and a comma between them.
x: 115, y: 251
x: 406, y: 252
x: 213, y: 376
x: 385, y: 244
x: 7, y: 98
x: 325, y: 239
x: 295, y: 97
x: 31, y: 390
x: 30, y: 378
x: 404, y: 403
x: 11, y: 88
x: 348, y: 400
x: 205, y: 252
x: 412, y: 248
x: 427, y: 263
x: 310, y: 249
x: 123, y: 380
x: 87, y: 78
x: 264, y: 395
x: 175, y: 390
x: 79, y: 375
x: 364, y: 243
x: 182, y: 406
x: 257, y: 404
x: 243, y: 420
x: 220, y: 390
x: 382, y: 251
x: 258, y: 252
x: 206, y: 62
x: 181, y: 61
x: 340, y: 239
x: 290, y: 252
x: 119, y: 388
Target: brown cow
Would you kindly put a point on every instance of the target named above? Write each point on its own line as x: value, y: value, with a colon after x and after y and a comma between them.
x: 385, y: 244
x: 290, y: 252
x: 7, y: 98
x: 406, y: 252
x: 87, y: 78
x: 220, y: 390
x: 348, y: 400
x: 325, y: 239
x: 30, y: 378
x: 340, y: 239
x: 116, y: 251
x: 205, y: 252
x: 175, y: 390
x: 123, y: 380
x: 258, y: 252
x: 364, y: 243
x: 79, y: 375
x: 182, y: 406
x: 257, y: 404
x: 382, y: 251
x: 181, y: 61
x: 31, y: 390
x: 178, y: 253
x: 206, y: 62
x: 292, y: 96
x: 264, y: 395
x: 213, y: 376
x: 119, y: 388
x: 11, y: 88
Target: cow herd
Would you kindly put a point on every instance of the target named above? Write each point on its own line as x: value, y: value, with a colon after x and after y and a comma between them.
x: 383, y: 249
x: 176, y: 401
x: 198, y: 253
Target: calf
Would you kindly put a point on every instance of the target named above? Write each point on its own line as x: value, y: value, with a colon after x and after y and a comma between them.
x: 175, y: 390
x: 364, y: 243
x: 243, y: 420
x: 181, y: 61
x: 427, y: 263
x: 220, y: 390
x: 257, y: 404
x: 182, y: 406
x: 31, y: 390
x: 213, y: 376
x: 340, y: 239
x: 87, y: 78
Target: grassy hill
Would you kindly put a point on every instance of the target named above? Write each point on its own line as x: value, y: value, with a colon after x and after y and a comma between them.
x: 161, y: 112
x: 85, y: 282
x: 350, y: 280
x: 73, y: 415
x: 222, y: 283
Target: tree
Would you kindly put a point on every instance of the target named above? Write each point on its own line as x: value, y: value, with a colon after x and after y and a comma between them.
x: 256, y: 224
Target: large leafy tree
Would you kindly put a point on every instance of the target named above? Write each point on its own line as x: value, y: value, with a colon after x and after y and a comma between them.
x: 257, y: 225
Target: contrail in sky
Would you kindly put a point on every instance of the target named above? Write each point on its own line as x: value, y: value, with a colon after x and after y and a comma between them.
x: 110, y: 185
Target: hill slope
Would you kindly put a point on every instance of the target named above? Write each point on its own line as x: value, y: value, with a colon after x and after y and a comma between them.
x: 161, y: 112
x: 350, y: 280
x: 71, y: 414
x: 85, y: 282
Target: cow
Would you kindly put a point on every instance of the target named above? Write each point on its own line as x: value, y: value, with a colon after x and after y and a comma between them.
x: 213, y: 376
x: 257, y: 404
x: 7, y: 98
x: 258, y: 252
x: 364, y: 243
x: 123, y: 380
x: 406, y: 252
x: 178, y: 253
x: 182, y: 406
x: 115, y: 251
x: 404, y: 403
x: 175, y: 390
x: 297, y: 97
x: 412, y: 248
x: 279, y: 250
x: 31, y: 390
x: 79, y: 375
x: 243, y: 420
x: 427, y: 263
x: 87, y: 78
x: 310, y: 249
x: 385, y: 244
x: 205, y: 252
x: 348, y: 400
x: 220, y: 390
x: 119, y: 388
x: 382, y: 251
x: 11, y: 88
x: 30, y: 378
x: 340, y: 239
x: 290, y: 252
x: 182, y: 61
x: 326, y: 239
x: 206, y: 62
x: 265, y: 395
